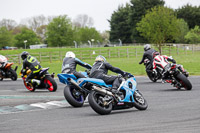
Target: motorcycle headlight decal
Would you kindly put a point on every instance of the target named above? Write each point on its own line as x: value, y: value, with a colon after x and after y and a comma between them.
x: 134, y: 83
x: 130, y: 85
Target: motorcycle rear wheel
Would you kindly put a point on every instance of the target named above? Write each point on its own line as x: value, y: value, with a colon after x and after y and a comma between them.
x: 52, y: 86
x: 140, y: 102
x: 73, y: 97
x: 95, y: 102
x: 153, y: 79
x: 184, y: 81
x: 13, y: 74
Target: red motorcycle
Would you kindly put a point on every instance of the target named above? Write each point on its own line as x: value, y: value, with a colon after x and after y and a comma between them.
x: 172, y: 73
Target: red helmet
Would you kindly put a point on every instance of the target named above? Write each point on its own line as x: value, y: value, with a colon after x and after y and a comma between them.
x: 155, y: 54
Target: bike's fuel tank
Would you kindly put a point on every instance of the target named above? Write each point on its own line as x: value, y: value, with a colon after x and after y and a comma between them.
x: 100, y: 82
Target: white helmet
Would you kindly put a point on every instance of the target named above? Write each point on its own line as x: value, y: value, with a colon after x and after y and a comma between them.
x: 147, y: 47
x: 70, y: 54
x: 100, y: 58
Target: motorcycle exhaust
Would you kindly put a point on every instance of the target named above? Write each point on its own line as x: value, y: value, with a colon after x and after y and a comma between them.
x: 102, y: 90
x: 16, y: 68
x: 74, y: 83
x: 52, y: 75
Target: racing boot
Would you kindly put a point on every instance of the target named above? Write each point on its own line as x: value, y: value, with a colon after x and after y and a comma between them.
x: 115, y: 91
x: 35, y: 82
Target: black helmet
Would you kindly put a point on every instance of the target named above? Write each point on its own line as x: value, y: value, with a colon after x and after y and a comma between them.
x: 24, y: 55
x: 147, y: 47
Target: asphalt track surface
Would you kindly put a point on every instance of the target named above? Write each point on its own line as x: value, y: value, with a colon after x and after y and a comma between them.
x: 169, y: 111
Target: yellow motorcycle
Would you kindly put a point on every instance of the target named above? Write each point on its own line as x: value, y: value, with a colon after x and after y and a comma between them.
x: 46, y: 81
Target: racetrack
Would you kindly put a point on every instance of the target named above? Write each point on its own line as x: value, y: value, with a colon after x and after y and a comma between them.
x: 169, y: 111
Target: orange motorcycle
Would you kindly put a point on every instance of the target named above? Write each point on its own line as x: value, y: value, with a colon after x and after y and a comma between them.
x: 6, y: 71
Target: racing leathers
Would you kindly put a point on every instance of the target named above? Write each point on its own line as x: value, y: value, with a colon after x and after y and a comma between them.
x: 100, y: 69
x: 160, y: 62
x: 3, y: 61
x: 69, y: 66
x: 149, y: 55
x: 31, y: 63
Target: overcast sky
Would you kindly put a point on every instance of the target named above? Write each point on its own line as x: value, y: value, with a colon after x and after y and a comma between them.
x: 99, y: 10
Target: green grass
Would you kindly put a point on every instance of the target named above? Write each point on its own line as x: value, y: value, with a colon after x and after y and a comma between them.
x: 190, y: 61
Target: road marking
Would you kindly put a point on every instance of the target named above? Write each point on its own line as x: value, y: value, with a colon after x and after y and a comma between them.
x: 34, y: 106
x: 26, y: 97
x: 25, y: 107
x: 7, y: 109
x: 58, y: 103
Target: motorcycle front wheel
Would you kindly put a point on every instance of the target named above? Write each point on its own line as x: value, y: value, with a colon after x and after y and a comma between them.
x: 73, y: 96
x: 140, y: 102
x: 184, y: 81
x: 96, y: 102
x: 29, y: 86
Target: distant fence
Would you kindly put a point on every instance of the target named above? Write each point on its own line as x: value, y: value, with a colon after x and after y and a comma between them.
x: 120, y: 52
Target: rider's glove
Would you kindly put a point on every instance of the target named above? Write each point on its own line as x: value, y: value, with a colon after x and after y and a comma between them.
x: 126, y: 74
x: 173, y: 61
x: 140, y: 62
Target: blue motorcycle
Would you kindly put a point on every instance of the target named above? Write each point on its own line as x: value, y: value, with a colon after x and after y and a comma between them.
x: 75, y: 93
x: 104, y: 101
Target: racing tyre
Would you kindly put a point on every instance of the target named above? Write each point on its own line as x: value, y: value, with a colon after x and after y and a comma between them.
x: 95, y: 101
x: 151, y: 77
x: 73, y: 97
x: 51, y: 84
x: 29, y: 86
x: 13, y: 74
x: 140, y: 103
x: 184, y: 81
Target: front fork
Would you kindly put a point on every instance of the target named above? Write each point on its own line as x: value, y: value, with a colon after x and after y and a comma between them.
x: 174, y: 81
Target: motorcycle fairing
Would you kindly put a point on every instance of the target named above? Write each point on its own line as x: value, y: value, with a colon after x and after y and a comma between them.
x: 100, y: 82
x: 129, y: 87
x: 63, y: 78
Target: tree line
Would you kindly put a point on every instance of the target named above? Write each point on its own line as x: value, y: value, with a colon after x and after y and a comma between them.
x: 56, y: 31
x: 140, y: 21
x: 150, y: 21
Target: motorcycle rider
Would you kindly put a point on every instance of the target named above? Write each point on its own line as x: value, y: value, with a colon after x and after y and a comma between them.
x: 70, y: 62
x: 3, y: 60
x: 148, y: 53
x: 30, y: 62
x: 165, y: 59
x: 100, y: 69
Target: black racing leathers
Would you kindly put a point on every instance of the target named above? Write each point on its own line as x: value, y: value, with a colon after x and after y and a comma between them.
x: 69, y: 66
x: 149, y: 55
x: 100, y: 69
x: 31, y: 63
